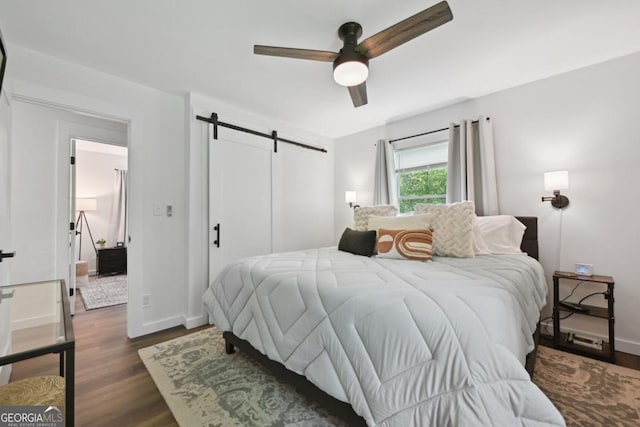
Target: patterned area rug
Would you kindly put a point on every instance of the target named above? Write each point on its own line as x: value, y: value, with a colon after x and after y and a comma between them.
x: 204, y: 386
x: 104, y: 291
x: 588, y: 392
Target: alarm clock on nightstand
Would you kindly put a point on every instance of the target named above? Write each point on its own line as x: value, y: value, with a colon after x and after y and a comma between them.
x: 584, y: 269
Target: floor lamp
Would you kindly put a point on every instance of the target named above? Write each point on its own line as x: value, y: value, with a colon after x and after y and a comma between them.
x: 83, y: 205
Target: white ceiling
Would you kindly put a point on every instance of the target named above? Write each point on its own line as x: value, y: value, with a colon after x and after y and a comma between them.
x: 98, y: 147
x: 206, y: 46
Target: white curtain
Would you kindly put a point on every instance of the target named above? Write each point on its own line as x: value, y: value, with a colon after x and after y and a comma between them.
x: 381, y: 179
x: 471, y: 166
x: 118, y: 219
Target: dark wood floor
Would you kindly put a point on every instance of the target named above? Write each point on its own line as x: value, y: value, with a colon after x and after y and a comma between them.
x: 113, y: 387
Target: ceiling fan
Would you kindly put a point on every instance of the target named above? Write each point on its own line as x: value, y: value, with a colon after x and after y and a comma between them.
x: 351, y: 64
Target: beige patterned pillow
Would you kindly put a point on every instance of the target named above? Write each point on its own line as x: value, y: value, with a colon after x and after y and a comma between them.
x: 401, y: 222
x: 361, y: 214
x: 452, y: 228
x: 409, y: 244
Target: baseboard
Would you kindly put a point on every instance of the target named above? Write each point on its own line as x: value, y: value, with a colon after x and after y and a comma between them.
x: 626, y: 346
x: 194, y: 322
x: 33, y: 321
x: 622, y: 345
x: 160, y: 325
x: 5, y: 374
x: 170, y: 322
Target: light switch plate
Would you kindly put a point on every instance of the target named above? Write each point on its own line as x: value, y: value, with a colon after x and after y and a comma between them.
x: 157, y: 209
x: 584, y: 269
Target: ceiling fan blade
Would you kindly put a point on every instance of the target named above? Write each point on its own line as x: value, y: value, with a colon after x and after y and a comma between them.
x: 406, y: 30
x: 358, y: 94
x: 287, y: 52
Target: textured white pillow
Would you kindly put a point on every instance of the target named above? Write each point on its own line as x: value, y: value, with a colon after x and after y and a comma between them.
x: 423, y: 221
x: 499, y: 234
x: 452, y: 228
x: 361, y: 215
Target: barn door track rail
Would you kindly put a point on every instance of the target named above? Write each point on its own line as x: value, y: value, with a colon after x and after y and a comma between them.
x: 272, y: 136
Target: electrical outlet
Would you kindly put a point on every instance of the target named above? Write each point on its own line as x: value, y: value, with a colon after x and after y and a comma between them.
x: 146, y: 300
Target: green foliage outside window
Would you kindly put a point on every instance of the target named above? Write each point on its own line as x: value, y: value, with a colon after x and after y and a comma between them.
x: 423, y: 186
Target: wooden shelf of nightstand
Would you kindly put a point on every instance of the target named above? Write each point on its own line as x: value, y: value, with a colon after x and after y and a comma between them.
x: 608, y: 352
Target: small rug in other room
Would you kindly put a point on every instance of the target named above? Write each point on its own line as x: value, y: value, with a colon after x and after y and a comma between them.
x: 204, y: 386
x: 589, y: 392
x: 104, y: 291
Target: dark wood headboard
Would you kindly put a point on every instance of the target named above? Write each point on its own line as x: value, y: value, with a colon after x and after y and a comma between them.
x: 530, y: 238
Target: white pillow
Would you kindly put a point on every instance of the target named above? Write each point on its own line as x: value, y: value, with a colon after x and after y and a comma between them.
x: 414, y: 222
x: 452, y: 228
x: 499, y: 234
x: 361, y: 214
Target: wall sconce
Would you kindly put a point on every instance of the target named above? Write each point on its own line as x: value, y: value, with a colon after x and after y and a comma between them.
x: 351, y: 198
x: 556, y: 181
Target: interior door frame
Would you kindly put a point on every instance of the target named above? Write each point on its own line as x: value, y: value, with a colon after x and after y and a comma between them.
x: 72, y: 226
x: 70, y: 132
x: 6, y: 241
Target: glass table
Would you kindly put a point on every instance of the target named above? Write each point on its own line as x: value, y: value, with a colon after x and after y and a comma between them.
x: 40, y: 323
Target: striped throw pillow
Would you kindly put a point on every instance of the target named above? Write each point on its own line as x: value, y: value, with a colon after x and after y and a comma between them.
x: 405, y: 244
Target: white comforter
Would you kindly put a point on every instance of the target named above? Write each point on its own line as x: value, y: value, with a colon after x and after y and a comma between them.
x: 441, y: 343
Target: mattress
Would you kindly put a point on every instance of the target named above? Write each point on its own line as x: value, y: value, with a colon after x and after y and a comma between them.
x: 404, y: 342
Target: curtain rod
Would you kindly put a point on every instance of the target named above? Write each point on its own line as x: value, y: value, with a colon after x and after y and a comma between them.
x: 430, y: 132
x: 272, y: 136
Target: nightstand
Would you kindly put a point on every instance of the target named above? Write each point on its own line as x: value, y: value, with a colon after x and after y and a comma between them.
x: 112, y: 260
x: 607, y: 353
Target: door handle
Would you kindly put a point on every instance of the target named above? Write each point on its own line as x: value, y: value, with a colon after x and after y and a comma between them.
x: 6, y: 255
x: 217, y: 241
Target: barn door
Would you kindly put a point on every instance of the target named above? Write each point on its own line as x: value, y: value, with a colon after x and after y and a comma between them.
x: 240, y: 199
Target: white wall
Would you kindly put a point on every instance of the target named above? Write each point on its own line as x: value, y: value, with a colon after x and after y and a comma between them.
x: 95, y: 177
x: 156, y: 157
x: 303, y: 208
x: 582, y: 121
x: 355, y: 170
x: 40, y: 159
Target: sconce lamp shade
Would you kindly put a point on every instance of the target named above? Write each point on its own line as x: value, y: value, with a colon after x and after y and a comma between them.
x: 350, y: 196
x: 558, y: 180
x: 86, y: 204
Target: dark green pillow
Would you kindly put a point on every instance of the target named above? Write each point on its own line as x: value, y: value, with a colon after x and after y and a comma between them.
x: 358, y: 242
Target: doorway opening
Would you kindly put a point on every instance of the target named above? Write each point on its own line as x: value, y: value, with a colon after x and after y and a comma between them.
x: 99, y: 186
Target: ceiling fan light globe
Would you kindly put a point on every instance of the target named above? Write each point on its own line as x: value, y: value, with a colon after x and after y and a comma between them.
x: 350, y: 73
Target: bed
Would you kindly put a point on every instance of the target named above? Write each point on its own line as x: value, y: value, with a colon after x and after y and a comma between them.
x: 400, y: 342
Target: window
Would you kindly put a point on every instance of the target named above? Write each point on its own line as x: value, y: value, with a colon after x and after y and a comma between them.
x: 421, y: 172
